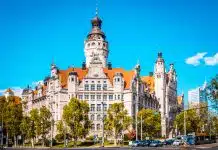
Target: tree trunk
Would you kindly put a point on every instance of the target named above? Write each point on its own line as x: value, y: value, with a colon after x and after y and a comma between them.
x: 32, y: 142
x: 15, y: 141
x: 7, y: 139
x: 75, y: 142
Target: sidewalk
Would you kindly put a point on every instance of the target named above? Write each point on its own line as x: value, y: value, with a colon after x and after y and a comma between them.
x: 207, y: 145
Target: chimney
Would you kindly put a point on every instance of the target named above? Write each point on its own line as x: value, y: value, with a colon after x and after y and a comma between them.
x: 150, y: 74
x: 109, y: 65
x: 83, y: 66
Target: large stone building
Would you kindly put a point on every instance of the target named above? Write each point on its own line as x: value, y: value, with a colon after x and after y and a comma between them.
x: 98, y: 83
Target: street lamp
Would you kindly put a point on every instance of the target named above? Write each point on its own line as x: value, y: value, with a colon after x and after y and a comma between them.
x: 102, y: 124
x: 2, y: 130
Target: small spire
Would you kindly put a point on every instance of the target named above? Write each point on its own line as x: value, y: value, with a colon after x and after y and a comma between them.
x: 96, y: 9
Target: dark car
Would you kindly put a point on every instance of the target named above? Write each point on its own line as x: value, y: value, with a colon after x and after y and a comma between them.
x: 156, y: 143
x: 135, y: 144
x: 168, y: 142
x: 145, y: 143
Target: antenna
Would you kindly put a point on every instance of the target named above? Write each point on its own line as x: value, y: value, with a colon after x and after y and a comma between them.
x: 96, y: 9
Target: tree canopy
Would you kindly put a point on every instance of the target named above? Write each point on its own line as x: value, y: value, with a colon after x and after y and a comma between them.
x: 75, y: 115
x: 117, y: 120
x: 151, y: 122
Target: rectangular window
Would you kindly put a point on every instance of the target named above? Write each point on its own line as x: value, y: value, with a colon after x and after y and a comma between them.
x: 104, y: 97
x: 105, y: 107
x: 92, y: 87
x: 111, y: 97
x: 86, y: 87
x: 98, y: 107
x: 118, y: 97
x: 110, y: 105
x: 92, y: 97
x: 92, y: 107
x: 93, y: 127
x: 80, y: 97
x: 98, y: 97
x: 98, y: 87
x: 86, y: 96
x: 104, y: 86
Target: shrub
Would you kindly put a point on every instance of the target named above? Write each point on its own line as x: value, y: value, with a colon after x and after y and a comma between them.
x: 59, y: 137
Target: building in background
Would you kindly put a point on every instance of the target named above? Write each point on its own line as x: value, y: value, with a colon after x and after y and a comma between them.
x: 197, y: 96
x: 165, y: 90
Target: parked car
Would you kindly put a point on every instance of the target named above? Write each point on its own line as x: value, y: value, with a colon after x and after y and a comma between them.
x: 178, y: 142
x: 145, y: 143
x: 134, y: 143
x: 155, y: 143
x: 168, y: 142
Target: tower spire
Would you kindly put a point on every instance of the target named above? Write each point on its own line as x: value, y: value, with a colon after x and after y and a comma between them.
x: 96, y: 9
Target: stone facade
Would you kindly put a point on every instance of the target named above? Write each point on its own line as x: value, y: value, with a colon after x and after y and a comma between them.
x: 101, y: 85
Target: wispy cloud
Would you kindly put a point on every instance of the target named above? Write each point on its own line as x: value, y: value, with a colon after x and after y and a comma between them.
x: 17, y: 91
x: 35, y: 83
x: 195, y: 60
x: 211, y: 61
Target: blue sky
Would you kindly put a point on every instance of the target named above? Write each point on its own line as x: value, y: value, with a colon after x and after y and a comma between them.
x: 32, y: 33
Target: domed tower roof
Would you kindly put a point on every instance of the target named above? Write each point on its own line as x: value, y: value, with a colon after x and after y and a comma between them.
x: 96, y: 22
x: 96, y: 28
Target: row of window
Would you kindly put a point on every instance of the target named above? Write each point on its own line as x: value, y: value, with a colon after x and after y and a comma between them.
x: 93, y: 44
x: 93, y: 87
x: 99, y: 117
x: 99, y: 107
x: 98, y: 127
x: 99, y: 97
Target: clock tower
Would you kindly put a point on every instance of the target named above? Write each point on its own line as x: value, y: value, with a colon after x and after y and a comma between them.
x: 96, y: 43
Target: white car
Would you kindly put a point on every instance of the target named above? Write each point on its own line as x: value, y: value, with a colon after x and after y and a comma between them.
x: 177, y: 142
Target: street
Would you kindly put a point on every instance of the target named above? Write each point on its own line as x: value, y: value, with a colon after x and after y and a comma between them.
x: 196, y: 147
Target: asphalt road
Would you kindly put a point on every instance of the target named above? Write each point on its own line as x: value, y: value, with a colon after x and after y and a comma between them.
x: 124, y: 148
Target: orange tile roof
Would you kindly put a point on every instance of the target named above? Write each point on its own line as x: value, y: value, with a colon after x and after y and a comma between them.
x: 63, y: 75
x: 149, y: 80
x: 179, y: 100
x: 127, y: 75
x: 9, y: 90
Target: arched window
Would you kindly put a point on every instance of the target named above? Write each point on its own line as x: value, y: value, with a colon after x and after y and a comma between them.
x: 92, y: 117
x: 93, y: 43
x: 98, y: 126
x: 93, y: 126
x: 88, y: 45
x: 98, y: 117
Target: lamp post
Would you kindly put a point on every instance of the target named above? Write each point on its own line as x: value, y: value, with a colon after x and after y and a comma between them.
x: 51, y: 144
x: 2, y: 136
x: 102, y: 144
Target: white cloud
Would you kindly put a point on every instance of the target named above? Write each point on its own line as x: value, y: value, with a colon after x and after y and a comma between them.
x: 211, y: 61
x: 35, y: 83
x: 17, y: 91
x: 195, y: 60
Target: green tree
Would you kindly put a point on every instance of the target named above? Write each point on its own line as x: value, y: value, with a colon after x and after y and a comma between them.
x: 25, y: 128
x: 151, y: 122
x: 44, y: 123
x: 117, y: 121
x: 213, y: 90
x: 75, y: 115
x: 12, y: 117
x: 34, y: 125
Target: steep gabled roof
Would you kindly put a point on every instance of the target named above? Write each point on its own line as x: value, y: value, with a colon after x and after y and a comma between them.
x: 127, y: 75
x: 149, y: 80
